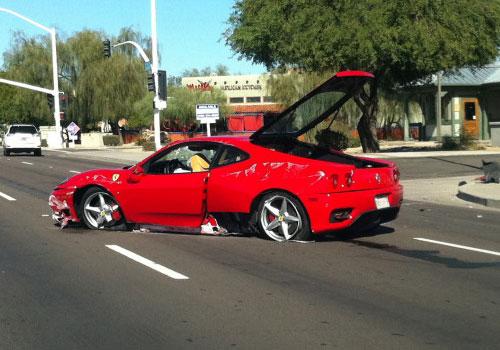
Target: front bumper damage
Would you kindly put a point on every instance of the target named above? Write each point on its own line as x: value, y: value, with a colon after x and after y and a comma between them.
x: 62, y: 205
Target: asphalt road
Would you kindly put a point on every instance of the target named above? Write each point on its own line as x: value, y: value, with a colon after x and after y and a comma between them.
x: 65, y: 289
x: 435, y: 167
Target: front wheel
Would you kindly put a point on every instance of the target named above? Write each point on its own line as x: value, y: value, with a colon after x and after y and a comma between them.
x: 282, y: 217
x: 98, y: 209
x: 6, y: 152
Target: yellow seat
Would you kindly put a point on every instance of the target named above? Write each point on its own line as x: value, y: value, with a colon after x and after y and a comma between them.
x: 198, y: 164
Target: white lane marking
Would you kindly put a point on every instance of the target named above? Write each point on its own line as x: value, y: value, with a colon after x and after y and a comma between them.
x: 7, y: 197
x: 45, y: 215
x: 151, y: 264
x: 27, y: 163
x: 459, y: 246
x: 75, y: 172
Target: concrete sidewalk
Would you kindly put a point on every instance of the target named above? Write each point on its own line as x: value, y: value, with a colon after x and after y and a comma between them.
x: 444, y: 191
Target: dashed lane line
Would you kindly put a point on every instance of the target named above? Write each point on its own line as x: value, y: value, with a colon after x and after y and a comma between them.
x: 27, y: 163
x: 7, y: 197
x: 146, y: 262
x: 75, y: 171
x: 491, y: 252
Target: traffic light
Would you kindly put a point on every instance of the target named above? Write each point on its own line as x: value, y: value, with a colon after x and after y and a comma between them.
x: 50, y: 100
x: 151, y: 82
x: 162, y: 85
x: 106, y: 48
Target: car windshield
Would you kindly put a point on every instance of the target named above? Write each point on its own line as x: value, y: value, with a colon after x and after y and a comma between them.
x: 22, y: 129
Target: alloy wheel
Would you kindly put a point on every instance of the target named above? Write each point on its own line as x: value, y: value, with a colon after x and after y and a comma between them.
x: 100, y: 209
x: 280, y: 219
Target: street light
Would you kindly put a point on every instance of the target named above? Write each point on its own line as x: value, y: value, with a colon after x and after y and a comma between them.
x: 55, y: 91
x: 153, y: 75
x: 154, y: 67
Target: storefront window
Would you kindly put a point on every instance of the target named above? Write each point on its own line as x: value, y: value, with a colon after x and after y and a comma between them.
x: 236, y: 100
x: 254, y: 99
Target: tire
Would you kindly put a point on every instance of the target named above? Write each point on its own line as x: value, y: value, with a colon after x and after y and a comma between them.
x: 37, y: 153
x: 98, y: 209
x: 281, y: 217
x: 6, y: 152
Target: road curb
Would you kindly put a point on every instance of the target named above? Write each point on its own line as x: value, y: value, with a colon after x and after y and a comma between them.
x: 468, y: 192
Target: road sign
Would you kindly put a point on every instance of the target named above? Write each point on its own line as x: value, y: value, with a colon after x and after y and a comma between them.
x: 73, y: 128
x: 207, y: 113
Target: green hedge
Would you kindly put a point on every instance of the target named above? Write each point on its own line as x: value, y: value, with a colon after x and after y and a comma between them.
x: 111, y: 140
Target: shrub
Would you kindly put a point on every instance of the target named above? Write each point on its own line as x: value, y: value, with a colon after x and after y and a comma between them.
x: 147, y: 143
x: 148, y: 146
x: 332, y: 139
x: 354, y: 142
x: 111, y: 140
x: 462, y: 142
x: 450, y: 143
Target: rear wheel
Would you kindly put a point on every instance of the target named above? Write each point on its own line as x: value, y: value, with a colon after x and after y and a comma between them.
x: 98, y: 209
x: 6, y: 152
x: 282, y: 217
x: 37, y: 152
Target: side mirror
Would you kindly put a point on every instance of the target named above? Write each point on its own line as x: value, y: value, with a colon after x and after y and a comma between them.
x: 136, y: 174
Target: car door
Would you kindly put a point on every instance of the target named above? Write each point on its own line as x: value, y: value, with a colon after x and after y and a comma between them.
x: 229, y: 188
x: 168, y: 192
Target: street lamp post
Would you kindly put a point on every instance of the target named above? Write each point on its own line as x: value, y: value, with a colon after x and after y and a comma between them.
x: 55, y: 91
x: 154, y: 67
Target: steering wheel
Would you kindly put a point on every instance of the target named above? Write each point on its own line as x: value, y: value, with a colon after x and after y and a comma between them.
x: 176, y: 164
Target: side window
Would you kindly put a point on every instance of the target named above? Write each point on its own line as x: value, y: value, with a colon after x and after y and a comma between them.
x: 231, y: 155
x: 190, y: 158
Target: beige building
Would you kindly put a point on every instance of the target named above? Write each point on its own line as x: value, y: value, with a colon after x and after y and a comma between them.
x: 239, y: 89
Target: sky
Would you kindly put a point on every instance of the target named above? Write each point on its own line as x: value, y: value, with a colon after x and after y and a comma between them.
x: 189, y: 31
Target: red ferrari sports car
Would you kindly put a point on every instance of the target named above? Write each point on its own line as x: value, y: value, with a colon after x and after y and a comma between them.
x: 270, y: 183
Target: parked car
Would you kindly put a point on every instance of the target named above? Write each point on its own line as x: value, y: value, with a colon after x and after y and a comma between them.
x: 271, y: 182
x: 22, y: 138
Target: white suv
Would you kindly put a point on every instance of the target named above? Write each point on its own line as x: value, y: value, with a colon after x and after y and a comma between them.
x: 22, y: 138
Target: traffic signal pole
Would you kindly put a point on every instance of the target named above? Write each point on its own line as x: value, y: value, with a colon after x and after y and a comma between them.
x: 154, y: 68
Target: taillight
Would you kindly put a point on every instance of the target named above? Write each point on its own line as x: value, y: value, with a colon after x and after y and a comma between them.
x: 348, y: 178
x: 335, y: 180
x: 395, y: 174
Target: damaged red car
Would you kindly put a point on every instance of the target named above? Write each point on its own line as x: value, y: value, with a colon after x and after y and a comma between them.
x: 273, y: 183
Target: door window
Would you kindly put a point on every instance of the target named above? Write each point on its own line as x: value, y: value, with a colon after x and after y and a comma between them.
x: 193, y: 157
x: 231, y: 155
x: 470, y: 110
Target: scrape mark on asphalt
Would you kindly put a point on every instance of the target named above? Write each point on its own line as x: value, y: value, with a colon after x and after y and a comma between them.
x: 146, y: 262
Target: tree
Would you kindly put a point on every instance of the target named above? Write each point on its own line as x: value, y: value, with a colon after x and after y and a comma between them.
x: 96, y: 88
x: 220, y: 69
x: 400, y: 41
x: 181, y: 106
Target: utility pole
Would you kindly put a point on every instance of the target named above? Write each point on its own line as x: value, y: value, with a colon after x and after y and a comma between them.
x: 154, y: 68
x: 55, y: 77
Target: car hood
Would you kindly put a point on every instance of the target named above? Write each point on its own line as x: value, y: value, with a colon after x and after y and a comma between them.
x: 316, y: 106
x: 97, y: 176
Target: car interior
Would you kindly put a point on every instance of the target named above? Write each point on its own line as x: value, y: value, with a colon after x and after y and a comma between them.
x: 183, y: 159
